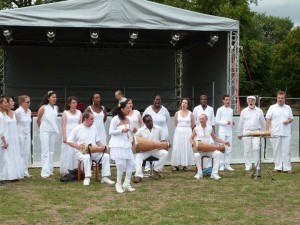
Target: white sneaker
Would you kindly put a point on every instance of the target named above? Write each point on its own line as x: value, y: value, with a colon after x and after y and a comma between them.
x: 198, y: 176
x: 119, y: 188
x: 221, y: 168
x: 247, y: 168
x: 106, y: 180
x: 86, y: 181
x: 215, y: 176
x: 127, y: 187
x: 229, y: 168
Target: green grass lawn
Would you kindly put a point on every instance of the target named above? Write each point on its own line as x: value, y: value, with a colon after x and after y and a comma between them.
x: 176, y: 198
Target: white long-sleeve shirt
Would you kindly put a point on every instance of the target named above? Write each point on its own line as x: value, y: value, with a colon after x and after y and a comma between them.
x: 223, y: 115
x: 250, y: 120
x: 278, y: 114
x: 209, y: 111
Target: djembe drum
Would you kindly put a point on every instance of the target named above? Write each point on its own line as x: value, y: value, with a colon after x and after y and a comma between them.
x: 206, y: 147
x: 89, y: 149
x: 144, y: 145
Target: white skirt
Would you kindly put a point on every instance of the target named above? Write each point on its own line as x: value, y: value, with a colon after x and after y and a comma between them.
x: 121, y: 153
x: 182, y: 152
x: 68, y: 159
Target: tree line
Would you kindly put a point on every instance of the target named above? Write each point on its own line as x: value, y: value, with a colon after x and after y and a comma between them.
x: 270, y: 46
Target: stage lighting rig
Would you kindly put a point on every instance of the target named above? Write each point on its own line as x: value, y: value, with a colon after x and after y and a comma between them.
x: 175, y: 38
x: 133, y: 35
x: 213, y: 40
x: 8, y: 35
x: 94, y: 34
x: 51, y: 35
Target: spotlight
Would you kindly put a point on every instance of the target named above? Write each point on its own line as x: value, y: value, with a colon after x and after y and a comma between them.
x: 51, y: 35
x: 175, y: 39
x: 213, y: 40
x: 8, y: 35
x: 133, y: 35
x: 94, y: 34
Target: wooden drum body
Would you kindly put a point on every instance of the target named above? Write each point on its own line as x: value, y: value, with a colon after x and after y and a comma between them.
x: 89, y: 149
x: 206, y: 147
x: 258, y: 134
x: 144, y: 145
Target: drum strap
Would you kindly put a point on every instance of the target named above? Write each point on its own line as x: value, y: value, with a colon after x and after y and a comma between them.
x: 89, y: 151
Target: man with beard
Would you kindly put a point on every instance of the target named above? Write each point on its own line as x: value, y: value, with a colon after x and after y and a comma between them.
x: 251, y: 119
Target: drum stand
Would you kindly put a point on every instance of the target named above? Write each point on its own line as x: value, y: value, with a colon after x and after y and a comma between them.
x: 259, y: 164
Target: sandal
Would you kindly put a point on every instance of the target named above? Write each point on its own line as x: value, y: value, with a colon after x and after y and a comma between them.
x: 185, y: 169
x: 175, y: 168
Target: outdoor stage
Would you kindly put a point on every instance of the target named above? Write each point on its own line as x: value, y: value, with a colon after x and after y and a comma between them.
x: 237, y: 145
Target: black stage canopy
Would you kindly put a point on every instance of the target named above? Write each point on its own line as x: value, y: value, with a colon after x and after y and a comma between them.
x: 80, y: 47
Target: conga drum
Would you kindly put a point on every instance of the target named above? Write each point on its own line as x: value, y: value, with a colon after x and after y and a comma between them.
x: 142, y: 144
x: 258, y: 134
x: 206, y: 147
x: 89, y: 148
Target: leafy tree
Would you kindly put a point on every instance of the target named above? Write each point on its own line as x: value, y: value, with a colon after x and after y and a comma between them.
x: 286, y: 63
x: 4, y: 4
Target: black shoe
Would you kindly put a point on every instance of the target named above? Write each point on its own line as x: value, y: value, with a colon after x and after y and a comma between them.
x: 175, y: 168
x: 185, y: 169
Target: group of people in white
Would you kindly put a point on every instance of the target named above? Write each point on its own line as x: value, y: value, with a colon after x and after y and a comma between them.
x: 88, y: 128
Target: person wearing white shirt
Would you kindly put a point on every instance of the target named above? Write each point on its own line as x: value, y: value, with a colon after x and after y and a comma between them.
x: 120, y: 145
x: 251, y: 119
x: 134, y: 117
x: 224, y: 118
x: 206, y: 109
x: 155, y: 133
x: 119, y: 95
x: 70, y: 118
x: 160, y: 116
x: 209, y: 111
x: 203, y: 133
x: 23, y: 117
x: 279, y: 118
x: 48, y: 124
x: 87, y: 133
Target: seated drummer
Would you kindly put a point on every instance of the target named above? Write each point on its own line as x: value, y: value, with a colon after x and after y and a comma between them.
x: 86, y: 133
x: 202, y: 133
x: 154, y: 133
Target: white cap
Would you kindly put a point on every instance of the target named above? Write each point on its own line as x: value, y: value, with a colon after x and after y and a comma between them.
x: 251, y: 97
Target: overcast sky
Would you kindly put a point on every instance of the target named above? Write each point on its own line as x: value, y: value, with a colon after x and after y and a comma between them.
x: 279, y: 8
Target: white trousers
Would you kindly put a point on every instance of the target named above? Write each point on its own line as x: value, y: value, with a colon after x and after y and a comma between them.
x: 25, y: 149
x: 87, y: 163
x: 216, y: 157
x: 162, y: 156
x: 124, y: 165
x: 47, y: 145
x: 251, y: 144
x: 225, y: 159
x: 282, y: 153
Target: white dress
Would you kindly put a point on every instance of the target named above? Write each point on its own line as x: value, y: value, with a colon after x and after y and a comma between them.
x: 120, y: 143
x: 99, y: 123
x: 68, y: 158
x: 13, y: 166
x: 134, y: 119
x: 160, y: 119
x: 24, y: 129
x: 182, y: 153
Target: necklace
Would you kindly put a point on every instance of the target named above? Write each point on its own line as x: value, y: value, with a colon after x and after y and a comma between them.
x: 73, y: 111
